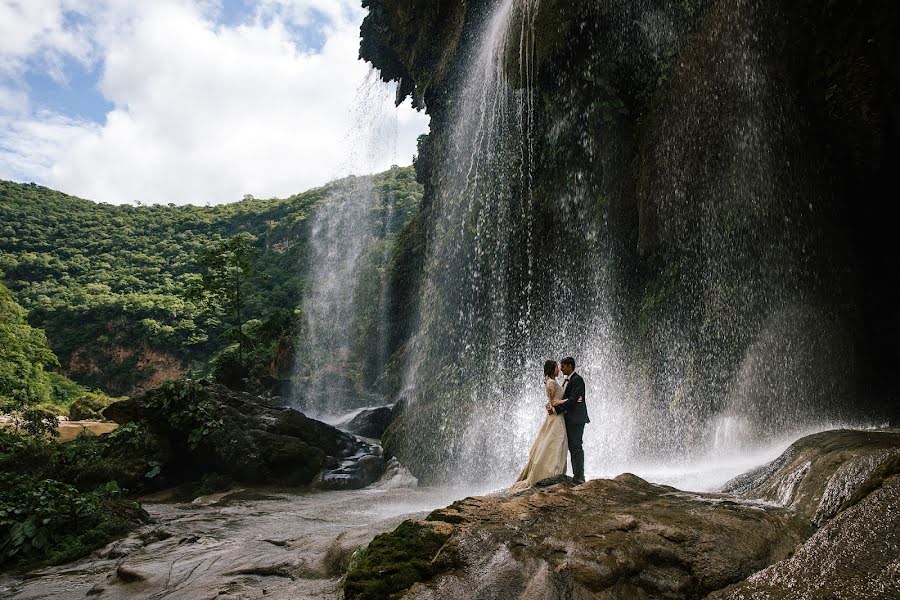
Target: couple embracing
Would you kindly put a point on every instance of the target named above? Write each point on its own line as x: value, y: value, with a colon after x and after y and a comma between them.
x: 561, y: 430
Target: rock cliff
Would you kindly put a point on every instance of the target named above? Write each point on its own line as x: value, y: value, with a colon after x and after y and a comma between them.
x: 703, y: 165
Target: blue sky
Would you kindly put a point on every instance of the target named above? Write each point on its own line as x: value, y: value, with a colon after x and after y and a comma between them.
x: 191, y: 100
x: 77, y: 96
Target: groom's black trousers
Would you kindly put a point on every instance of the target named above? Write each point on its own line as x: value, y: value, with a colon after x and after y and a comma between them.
x: 574, y: 433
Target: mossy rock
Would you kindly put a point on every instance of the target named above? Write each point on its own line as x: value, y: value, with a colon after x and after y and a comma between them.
x: 394, y: 561
x: 89, y: 406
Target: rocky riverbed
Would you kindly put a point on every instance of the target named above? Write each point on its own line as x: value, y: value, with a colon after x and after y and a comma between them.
x: 820, y: 521
x: 247, y: 543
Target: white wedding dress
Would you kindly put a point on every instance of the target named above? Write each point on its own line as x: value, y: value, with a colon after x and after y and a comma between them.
x: 547, y: 456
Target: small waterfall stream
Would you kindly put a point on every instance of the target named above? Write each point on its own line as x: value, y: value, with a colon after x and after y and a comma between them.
x: 343, y: 343
x: 340, y: 234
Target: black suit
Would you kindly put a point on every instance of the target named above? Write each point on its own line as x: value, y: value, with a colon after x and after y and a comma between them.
x: 574, y: 410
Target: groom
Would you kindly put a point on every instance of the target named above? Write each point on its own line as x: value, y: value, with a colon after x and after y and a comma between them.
x: 574, y: 410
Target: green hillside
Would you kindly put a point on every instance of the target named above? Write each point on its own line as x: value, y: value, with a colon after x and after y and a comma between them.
x: 107, y: 282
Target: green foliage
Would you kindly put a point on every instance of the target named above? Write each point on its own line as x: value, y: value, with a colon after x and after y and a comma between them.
x: 127, y: 455
x: 59, y: 501
x: 47, y: 521
x: 23, y: 356
x: 28, y: 392
x: 228, y: 267
x: 394, y: 561
x: 190, y: 411
x: 107, y: 282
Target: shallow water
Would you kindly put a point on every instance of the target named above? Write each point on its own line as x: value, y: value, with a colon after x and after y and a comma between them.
x: 244, y: 544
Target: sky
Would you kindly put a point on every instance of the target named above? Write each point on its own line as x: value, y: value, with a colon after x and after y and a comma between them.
x: 192, y: 101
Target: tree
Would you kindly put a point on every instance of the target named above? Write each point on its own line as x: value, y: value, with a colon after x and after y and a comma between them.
x: 229, y: 266
x: 23, y: 381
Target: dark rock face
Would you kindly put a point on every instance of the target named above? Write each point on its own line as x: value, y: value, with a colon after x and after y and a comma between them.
x: 721, y: 151
x: 214, y: 429
x: 371, y: 423
x: 627, y: 538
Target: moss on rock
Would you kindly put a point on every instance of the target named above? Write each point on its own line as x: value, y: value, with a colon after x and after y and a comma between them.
x: 394, y: 561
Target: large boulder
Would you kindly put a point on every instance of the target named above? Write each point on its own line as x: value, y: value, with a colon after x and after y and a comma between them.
x: 854, y: 555
x: 819, y: 519
x: 89, y: 407
x: 214, y: 429
x: 371, y: 422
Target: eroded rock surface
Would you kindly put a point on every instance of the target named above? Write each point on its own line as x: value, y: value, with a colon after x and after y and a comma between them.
x: 855, y: 555
x: 253, y: 543
x: 821, y: 519
x: 850, y: 486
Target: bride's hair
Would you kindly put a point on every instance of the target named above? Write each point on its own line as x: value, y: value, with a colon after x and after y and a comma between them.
x: 549, y: 368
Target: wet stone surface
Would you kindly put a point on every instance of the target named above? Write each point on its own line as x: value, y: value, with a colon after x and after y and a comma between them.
x: 249, y: 543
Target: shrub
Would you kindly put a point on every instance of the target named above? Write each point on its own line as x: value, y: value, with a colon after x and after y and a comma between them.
x: 47, y: 521
x: 191, y: 411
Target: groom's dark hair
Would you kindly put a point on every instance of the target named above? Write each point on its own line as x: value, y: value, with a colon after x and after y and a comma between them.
x: 568, y: 361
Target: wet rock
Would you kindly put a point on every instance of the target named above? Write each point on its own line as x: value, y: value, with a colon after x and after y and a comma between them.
x: 355, y: 472
x: 855, y: 555
x: 623, y: 537
x: 819, y: 472
x: 371, y: 422
x: 261, y: 544
x: 627, y: 538
x: 214, y: 429
x: 128, y: 574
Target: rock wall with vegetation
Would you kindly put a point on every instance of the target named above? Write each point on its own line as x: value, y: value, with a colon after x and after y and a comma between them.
x: 733, y: 164
x: 61, y: 500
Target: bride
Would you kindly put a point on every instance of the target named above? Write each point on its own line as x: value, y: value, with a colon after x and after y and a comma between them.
x: 547, y: 456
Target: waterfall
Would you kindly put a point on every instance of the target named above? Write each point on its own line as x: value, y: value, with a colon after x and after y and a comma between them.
x: 342, y: 345
x: 340, y: 234
x: 488, y: 314
x: 516, y: 274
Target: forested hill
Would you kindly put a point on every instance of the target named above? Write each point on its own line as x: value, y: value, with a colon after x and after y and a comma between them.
x: 107, y: 282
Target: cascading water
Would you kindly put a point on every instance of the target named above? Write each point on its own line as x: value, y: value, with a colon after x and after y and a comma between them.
x: 341, y: 232
x: 489, y: 314
x: 342, y: 343
x: 516, y: 273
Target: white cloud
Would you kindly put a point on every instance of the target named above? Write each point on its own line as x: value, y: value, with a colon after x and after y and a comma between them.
x: 13, y: 101
x: 206, y: 112
x: 37, y: 29
x: 306, y: 12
